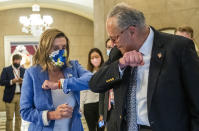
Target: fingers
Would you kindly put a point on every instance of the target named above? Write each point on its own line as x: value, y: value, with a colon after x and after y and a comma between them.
x: 45, y: 85
x: 133, y: 58
x: 50, y: 85
x: 65, y: 110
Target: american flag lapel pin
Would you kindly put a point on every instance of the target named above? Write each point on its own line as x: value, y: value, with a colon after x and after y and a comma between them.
x: 159, y: 55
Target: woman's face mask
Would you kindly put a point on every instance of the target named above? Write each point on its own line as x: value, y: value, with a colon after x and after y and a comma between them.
x: 95, y: 59
x: 58, y: 58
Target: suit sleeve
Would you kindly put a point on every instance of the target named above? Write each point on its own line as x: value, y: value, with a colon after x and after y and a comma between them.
x: 5, y: 81
x: 106, y: 78
x: 190, y: 74
x: 101, y: 103
x: 108, y: 75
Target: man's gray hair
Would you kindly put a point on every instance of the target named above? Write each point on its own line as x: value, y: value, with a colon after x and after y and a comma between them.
x: 127, y: 16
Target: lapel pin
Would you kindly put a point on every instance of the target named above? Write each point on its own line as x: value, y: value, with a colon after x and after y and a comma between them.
x: 159, y: 55
x: 70, y: 75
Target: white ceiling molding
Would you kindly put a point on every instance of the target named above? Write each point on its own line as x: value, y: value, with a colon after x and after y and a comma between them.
x: 80, y: 7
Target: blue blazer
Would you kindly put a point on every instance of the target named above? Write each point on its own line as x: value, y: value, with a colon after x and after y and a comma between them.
x: 7, y: 75
x: 35, y: 100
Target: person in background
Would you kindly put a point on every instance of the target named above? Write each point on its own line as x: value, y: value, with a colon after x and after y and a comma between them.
x: 11, y: 78
x: 155, y: 82
x: 109, y: 45
x: 187, y: 32
x: 51, y: 87
x: 90, y: 100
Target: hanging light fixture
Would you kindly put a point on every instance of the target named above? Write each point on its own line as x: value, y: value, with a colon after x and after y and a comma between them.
x: 35, y: 24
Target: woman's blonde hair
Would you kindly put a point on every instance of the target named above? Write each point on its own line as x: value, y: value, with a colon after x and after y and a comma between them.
x: 41, y: 56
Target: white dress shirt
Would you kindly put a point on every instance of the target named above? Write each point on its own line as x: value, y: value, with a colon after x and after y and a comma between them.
x: 142, y: 81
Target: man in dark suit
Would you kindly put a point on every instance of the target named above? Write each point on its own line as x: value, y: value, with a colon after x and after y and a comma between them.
x: 162, y: 69
x: 11, y: 78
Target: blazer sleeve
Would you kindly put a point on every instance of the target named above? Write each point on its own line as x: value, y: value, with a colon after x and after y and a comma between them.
x: 27, y: 109
x: 105, y: 78
x: 77, y: 83
x: 101, y: 103
x: 5, y: 80
x: 190, y: 76
x: 108, y: 75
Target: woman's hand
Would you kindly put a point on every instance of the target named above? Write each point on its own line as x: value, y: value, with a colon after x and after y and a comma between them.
x: 100, y: 118
x: 62, y: 111
x: 50, y: 85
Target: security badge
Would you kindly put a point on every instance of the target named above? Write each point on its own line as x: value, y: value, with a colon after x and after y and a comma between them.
x: 112, y: 79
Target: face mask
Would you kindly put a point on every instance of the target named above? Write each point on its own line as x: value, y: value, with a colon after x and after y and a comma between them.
x: 58, y: 58
x: 96, y: 62
x: 16, y: 65
x: 108, y: 52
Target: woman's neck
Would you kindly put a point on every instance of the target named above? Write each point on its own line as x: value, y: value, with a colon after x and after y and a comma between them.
x: 95, y: 69
x: 54, y: 69
x: 55, y: 74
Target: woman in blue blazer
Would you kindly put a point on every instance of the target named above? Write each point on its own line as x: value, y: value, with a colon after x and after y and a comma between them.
x: 51, y: 87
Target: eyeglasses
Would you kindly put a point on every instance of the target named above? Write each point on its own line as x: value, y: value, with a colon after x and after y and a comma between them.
x: 116, y: 38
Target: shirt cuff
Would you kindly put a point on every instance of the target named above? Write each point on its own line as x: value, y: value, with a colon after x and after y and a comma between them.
x: 65, y: 88
x: 44, y: 118
x: 11, y: 82
x: 121, y: 71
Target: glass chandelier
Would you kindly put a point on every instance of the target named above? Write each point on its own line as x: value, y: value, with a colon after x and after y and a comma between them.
x: 35, y: 24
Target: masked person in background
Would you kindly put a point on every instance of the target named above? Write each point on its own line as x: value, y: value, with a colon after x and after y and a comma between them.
x: 109, y: 45
x: 11, y: 78
x: 89, y: 99
x: 51, y: 88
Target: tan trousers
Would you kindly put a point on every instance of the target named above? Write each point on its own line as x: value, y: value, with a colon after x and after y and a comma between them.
x: 11, y: 109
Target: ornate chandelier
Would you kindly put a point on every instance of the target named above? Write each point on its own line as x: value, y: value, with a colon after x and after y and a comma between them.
x: 35, y: 24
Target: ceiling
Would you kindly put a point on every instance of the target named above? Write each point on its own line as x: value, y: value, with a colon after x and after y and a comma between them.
x: 80, y: 7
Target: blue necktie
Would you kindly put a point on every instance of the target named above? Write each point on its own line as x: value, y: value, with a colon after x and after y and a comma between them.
x: 131, y: 102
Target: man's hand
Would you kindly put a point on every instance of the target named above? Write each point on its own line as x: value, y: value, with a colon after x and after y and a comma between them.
x: 14, y: 81
x: 20, y: 80
x: 50, y: 85
x: 131, y: 58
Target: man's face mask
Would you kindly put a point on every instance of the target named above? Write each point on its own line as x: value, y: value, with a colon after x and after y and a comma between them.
x: 16, y: 65
x: 108, y: 52
x: 58, y: 58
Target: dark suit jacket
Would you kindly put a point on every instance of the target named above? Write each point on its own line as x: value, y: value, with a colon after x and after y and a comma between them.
x: 115, y: 54
x: 7, y: 75
x: 172, y: 94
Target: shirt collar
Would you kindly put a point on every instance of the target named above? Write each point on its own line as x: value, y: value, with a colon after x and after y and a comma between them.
x: 147, y: 46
